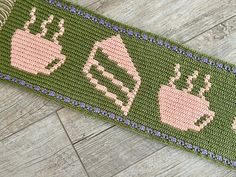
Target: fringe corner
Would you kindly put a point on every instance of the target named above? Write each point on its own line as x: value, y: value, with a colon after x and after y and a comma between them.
x: 5, y: 10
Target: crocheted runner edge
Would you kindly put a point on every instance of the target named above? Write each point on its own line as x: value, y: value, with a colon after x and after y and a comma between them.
x: 167, y: 43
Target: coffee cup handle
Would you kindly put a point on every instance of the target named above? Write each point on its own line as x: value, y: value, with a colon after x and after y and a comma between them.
x: 210, y: 115
x: 61, y: 59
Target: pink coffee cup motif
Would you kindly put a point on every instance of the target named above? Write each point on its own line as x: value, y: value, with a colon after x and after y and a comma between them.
x: 33, y: 53
x: 180, y: 109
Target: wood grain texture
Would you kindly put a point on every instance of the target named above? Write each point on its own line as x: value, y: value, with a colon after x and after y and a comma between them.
x: 177, y: 19
x: 41, y: 150
x: 220, y: 41
x: 19, y: 109
x: 114, y: 150
x: 165, y: 164
x: 85, y: 3
x: 80, y: 126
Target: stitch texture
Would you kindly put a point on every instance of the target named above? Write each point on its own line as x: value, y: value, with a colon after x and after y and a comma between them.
x: 137, y: 80
x: 234, y: 124
x: 115, y: 49
x: 32, y: 53
x: 181, y: 109
x: 5, y: 10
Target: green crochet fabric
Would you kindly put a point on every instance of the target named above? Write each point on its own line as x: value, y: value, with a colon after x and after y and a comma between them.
x: 135, y: 79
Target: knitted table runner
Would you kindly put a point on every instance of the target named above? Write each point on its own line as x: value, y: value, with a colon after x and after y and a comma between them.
x: 135, y: 79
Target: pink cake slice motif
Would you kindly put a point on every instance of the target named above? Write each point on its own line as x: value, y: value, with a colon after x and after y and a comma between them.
x: 182, y: 110
x: 116, y: 51
x: 33, y: 53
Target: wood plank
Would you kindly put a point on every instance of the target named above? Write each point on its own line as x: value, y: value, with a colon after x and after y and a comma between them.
x: 85, y: 3
x: 177, y: 19
x: 42, y: 149
x: 114, y: 150
x: 171, y: 162
x: 80, y: 126
x: 20, y: 108
x: 220, y: 41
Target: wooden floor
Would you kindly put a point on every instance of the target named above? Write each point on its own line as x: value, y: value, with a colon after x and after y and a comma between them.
x: 39, y: 138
